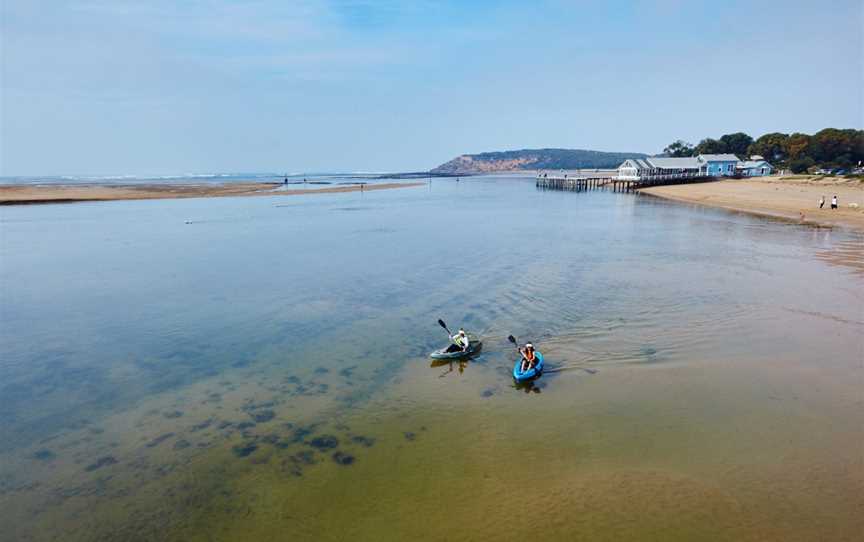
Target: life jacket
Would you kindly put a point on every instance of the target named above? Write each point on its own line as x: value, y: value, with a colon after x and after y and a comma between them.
x: 460, y: 340
x: 530, y: 354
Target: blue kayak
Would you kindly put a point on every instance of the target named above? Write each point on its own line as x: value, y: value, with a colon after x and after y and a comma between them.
x: 533, y: 372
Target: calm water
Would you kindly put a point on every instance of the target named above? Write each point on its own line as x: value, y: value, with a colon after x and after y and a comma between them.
x: 261, y: 373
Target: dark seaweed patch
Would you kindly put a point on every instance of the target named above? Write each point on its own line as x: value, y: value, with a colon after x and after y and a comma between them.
x: 301, y: 433
x: 348, y: 372
x: 323, y: 388
x: 271, y: 438
x: 322, y: 370
x: 224, y: 424
x: 44, y: 455
x: 101, y: 462
x: 251, y: 405
x: 245, y: 425
x: 159, y: 440
x: 263, y: 416
x: 649, y: 353
x: 341, y: 458
x: 488, y: 392
x: 363, y: 441
x: 181, y: 444
x: 173, y: 414
x: 306, y: 457
x: 243, y: 450
x: 324, y: 442
x: 201, y: 426
x: 409, y: 435
x: 292, y: 379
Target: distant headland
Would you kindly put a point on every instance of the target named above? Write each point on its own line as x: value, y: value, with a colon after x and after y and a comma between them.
x: 532, y: 159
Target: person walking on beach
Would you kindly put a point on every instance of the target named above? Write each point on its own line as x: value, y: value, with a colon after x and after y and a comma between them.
x: 834, y: 202
x: 822, y: 201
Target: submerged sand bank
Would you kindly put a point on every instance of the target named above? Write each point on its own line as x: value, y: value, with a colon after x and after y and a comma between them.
x: 21, y: 195
x: 794, y: 198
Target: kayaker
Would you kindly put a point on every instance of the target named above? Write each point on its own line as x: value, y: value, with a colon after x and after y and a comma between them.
x: 461, y: 340
x: 529, y: 358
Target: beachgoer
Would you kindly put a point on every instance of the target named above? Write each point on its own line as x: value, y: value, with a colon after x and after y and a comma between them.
x: 822, y: 202
x: 529, y: 358
x: 834, y: 202
x: 461, y: 340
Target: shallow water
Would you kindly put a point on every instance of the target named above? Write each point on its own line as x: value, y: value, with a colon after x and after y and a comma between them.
x: 261, y: 373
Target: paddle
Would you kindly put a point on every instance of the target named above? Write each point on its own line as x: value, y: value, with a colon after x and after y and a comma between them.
x: 513, y: 340
x: 442, y: 324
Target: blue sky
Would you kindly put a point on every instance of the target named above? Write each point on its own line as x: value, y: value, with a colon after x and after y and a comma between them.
x: 129, y: 87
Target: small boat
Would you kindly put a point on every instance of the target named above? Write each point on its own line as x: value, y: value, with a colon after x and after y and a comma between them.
x: 454, y: 352
x: 533, y: 372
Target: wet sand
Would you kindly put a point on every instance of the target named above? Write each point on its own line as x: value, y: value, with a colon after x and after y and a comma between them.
x: 28, y: 195
x: 795, y: 198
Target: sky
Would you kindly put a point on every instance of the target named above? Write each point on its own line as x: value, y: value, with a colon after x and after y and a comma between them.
x: 119, y: 87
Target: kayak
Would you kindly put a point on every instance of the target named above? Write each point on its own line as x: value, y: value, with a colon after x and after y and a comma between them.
x: 533, y: 372
x: 454, y: 352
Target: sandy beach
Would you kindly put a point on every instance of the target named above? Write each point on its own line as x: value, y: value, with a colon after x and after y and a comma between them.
x: 34, y: 194
x: 795, y: 198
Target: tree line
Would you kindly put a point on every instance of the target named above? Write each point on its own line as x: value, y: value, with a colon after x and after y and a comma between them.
x: 831, y: 147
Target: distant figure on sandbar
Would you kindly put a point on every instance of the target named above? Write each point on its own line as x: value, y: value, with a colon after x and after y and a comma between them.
x: 834, y: 202
x: 822, y: 201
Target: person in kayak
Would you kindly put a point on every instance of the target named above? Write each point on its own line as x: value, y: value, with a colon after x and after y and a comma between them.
x: 461, y: 340
x: 529, y: 357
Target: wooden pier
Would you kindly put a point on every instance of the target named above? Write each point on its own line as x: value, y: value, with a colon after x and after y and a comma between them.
x: 615, y: 184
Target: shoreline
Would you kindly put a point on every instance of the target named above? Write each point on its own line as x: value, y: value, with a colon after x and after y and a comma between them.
x: 793, y: 199
x: 46, y: 194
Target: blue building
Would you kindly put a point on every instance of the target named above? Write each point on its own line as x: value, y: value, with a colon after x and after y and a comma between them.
x: 718, y: 165
x: 756, y: 166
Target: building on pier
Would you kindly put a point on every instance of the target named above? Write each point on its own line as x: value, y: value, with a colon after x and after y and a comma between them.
x: 704, y: 165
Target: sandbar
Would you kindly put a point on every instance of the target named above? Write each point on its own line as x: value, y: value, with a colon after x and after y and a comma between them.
x: 35, y: 194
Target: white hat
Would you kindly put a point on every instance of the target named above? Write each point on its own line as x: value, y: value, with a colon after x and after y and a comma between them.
x: 529, y: 345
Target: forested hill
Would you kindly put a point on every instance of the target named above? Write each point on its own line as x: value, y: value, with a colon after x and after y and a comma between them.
x: 531, y: 159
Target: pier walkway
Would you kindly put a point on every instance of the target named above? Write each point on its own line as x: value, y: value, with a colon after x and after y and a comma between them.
x: 616, y: 184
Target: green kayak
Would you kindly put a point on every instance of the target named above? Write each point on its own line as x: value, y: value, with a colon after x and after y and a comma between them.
x: 454, y: 352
